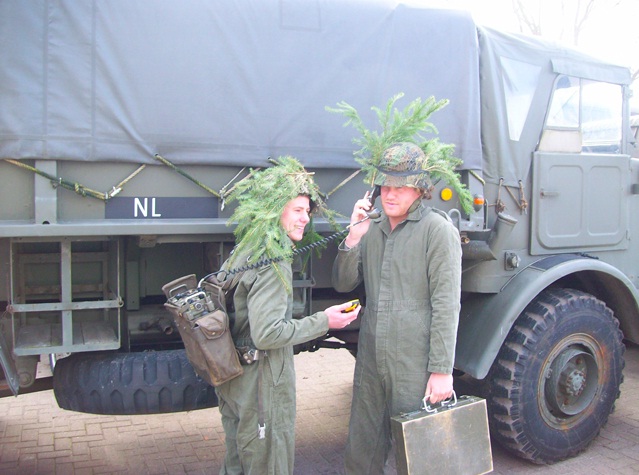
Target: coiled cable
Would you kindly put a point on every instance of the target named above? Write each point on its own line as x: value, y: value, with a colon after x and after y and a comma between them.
x: 271, y: 260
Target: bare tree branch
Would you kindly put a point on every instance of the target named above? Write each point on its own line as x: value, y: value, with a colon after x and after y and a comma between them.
x: 527, y: 22
x: 581, y: 19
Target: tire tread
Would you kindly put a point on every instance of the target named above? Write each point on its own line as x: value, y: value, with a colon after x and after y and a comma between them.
x: 130, y: 383
x: 505, y: 393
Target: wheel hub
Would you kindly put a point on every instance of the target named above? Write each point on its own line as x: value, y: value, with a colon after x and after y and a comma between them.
x: 572, y: 382
x: 575, y: 382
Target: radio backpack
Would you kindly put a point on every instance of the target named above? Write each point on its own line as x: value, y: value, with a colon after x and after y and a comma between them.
x: 201, y: 317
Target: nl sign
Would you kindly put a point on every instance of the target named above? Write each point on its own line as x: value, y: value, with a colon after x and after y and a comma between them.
x: 161, y: 208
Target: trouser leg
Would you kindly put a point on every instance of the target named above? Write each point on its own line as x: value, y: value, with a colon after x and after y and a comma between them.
x: 232, y: 465
x: 369, y: 437
x: 246, y: 453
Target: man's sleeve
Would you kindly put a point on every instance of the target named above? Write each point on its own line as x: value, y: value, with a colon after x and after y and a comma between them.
x: 347, y: 273
x: 267, y: 307
x: 444, y: 275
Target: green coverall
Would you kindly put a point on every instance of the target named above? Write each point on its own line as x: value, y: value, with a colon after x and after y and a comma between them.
x: 263, y: 320
x: 412, y: 279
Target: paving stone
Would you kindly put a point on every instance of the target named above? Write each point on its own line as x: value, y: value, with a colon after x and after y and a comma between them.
x: 37, y: 437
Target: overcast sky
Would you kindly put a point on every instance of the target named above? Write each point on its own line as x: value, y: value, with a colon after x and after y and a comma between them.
x: 611, y: 33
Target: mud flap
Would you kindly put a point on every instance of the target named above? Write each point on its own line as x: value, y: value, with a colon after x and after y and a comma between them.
x: 8, y: 364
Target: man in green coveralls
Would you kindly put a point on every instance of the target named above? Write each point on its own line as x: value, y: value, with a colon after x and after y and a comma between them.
x: 258, y: 407
x: 410, y: 262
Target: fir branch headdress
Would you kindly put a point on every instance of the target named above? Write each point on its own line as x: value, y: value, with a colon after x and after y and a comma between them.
x: 261, y: 199
x: 397, y: 129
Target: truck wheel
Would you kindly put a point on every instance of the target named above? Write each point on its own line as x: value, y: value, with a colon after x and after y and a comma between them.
x: 557, y: 377
x: 130, y: 383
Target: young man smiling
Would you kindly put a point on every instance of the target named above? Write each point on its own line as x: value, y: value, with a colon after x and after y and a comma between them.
x: 258, y: 407
x: 295, y: 217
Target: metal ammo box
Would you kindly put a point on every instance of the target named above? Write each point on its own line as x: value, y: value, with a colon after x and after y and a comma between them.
x: 450, y: 439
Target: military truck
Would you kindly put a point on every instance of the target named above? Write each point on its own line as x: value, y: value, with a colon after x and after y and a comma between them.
x: 125, y: 124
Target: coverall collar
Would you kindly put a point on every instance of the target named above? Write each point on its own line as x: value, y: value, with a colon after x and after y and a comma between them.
x: 415, y: 213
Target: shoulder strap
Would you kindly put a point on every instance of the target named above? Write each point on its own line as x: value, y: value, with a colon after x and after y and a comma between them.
x: 230, y: 284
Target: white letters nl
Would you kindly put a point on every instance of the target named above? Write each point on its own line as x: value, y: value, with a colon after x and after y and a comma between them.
x: 143, y: 208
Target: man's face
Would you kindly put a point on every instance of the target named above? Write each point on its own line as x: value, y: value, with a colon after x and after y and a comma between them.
x: 295, y: 217
x: 397, y: 201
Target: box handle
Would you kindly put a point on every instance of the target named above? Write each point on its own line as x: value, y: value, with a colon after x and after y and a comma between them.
x: 450, y: 402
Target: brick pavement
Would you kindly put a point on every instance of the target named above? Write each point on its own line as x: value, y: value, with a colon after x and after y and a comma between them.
x: 39, y: 438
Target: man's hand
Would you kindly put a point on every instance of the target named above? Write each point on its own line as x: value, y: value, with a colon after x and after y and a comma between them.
x: 439, y: 387
x: 337, y: 318
x: 356, y: 231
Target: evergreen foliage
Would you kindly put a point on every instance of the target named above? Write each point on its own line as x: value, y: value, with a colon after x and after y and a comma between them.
x: 261, y: 199
x: 407, y: 125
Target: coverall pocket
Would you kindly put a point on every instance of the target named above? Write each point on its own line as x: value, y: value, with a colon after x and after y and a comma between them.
x: 281, y: 407
x: 280, y: 366
x: 412, y: 337
x: 410, y: 391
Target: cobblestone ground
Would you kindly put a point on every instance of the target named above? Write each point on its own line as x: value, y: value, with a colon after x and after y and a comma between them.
x: 39, y: 438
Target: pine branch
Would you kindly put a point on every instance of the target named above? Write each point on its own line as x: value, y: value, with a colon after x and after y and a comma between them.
x: 407, y: 125
x: 261, y: 198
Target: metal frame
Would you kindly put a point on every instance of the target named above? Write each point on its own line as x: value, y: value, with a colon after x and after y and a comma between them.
x: 71, y: 335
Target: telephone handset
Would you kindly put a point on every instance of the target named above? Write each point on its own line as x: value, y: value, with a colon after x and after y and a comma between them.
x: 374, y: 213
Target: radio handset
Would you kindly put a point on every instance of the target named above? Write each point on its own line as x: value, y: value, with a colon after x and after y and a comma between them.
x: 374, y: 213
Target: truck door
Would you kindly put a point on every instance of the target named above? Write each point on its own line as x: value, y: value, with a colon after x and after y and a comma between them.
x: 580, y: 177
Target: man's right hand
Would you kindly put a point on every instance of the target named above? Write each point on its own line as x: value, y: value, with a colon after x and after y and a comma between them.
x: 356, y: 231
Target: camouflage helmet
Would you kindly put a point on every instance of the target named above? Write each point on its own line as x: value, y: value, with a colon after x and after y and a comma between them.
x: 403, y: 164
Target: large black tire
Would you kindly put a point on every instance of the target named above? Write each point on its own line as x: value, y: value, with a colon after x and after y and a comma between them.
x: 557, y: 377
x: 130, y: 383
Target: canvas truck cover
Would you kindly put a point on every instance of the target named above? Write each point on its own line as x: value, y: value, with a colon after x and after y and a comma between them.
x: 225, y: 82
